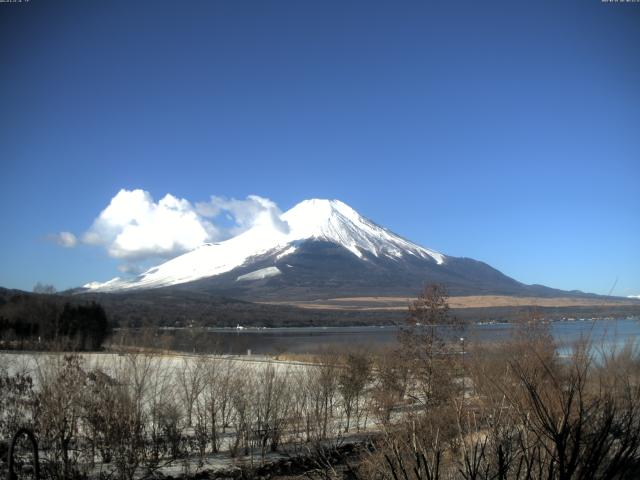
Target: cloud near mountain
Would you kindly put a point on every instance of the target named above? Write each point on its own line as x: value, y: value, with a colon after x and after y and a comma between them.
x: 248, y: 213
x: 64, y: 239
x: 135, y: 228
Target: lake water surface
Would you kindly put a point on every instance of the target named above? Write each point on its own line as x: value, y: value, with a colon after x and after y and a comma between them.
x: 603, y: 333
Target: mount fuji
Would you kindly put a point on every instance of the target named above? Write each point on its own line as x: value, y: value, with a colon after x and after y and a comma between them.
x: 320, y: 249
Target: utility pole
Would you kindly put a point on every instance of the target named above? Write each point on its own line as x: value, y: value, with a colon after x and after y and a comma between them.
x: 464, y: 372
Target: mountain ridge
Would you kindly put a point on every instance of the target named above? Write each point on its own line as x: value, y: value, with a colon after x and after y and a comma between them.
x: 309, y: 220
x: 321, y: 249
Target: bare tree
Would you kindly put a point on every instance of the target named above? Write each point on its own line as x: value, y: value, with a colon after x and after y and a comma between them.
x: 322, y: 387
x: 241, y: 400
x: 110, y: 416
x: 17, y: 401
x: 44, y: 288
x: 216, y: 406
x: 391, y: 382
x: 272, y: 403
x: 59, y: 410
x: 352, y: 381
x: 583, y: 429
x: 424, y: 349
x: 190, y: 379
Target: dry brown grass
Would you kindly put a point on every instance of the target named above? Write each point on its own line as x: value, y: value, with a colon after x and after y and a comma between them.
x: 472, y: 301
x: 296, y: 357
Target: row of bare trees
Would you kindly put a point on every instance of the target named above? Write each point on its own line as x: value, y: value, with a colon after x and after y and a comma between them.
x: 524, y: 414
x: 513, y: 410
x: 123, y: 415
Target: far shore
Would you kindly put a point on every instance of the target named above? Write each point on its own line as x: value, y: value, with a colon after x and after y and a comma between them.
x: 471, y: 301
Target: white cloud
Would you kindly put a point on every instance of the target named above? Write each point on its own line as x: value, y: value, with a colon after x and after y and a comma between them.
x: 65, y: 239
x: 633, y: 296
x: 134, y: 226
x: 136, y: 229
x: 132, y: 268
x: 252, y: 211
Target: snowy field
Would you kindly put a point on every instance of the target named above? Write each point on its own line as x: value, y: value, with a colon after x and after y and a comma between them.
x: 243, y: 410
x: 34, y: 363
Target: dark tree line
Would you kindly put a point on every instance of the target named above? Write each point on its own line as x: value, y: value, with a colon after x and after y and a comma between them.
x: 38, y: 321
x: 88, y: 323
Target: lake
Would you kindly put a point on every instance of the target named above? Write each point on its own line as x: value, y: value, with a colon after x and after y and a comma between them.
x: 606, y: 333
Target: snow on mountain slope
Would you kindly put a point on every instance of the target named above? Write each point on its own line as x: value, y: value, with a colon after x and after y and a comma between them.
x: 259, y: 274
x: 337, y: 222
x: 327, y: 220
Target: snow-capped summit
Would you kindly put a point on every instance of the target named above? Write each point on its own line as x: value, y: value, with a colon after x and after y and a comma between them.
x: 315, y: 220
x: 335, y: 221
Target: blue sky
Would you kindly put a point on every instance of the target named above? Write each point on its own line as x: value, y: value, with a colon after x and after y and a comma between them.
x: 508, y: 132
